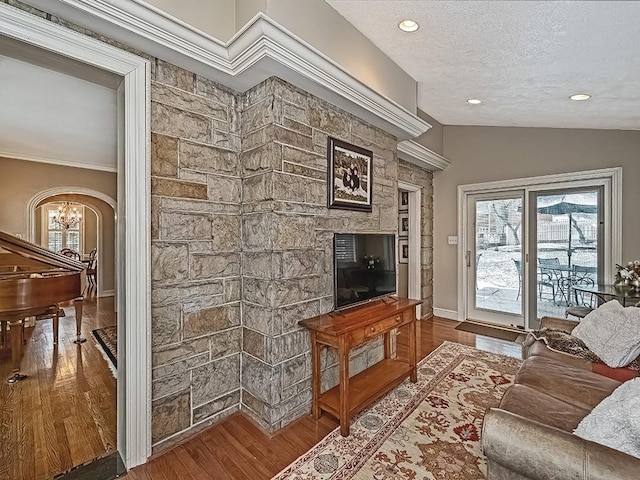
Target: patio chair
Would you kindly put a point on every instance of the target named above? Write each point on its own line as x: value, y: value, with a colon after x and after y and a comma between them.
x: 548, y: 276
x: 584, y: 302
x: 518, y: 265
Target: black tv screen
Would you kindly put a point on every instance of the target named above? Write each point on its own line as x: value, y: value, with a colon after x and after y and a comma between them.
x: 364, y: 267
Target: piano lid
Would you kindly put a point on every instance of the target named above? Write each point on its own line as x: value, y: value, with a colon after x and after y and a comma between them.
x: 35, y: 252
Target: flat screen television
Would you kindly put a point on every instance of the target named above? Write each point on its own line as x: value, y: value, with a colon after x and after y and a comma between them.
x: 364, y: 267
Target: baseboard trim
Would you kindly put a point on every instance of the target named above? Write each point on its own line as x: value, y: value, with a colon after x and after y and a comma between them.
x: 444, y: 313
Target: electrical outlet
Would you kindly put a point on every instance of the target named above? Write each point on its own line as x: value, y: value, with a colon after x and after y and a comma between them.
x: 452, y: 240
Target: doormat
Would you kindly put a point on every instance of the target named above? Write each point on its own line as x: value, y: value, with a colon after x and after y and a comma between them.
x: 107, y: 338
x: 426, y: 430
x: 485, y: 330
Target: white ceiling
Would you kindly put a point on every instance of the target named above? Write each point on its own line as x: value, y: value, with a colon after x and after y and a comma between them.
x: 55, y: 110
x: 522, y: 58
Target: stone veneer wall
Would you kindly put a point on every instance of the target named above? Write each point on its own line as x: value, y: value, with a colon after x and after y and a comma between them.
x: 409, y: 173
x: 196, y: 195
x: 242, y: 243
x: 288, y: 239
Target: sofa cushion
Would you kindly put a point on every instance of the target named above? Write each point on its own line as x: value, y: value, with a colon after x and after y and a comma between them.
x: 615, y: 422
x: 535, y: 405
x: 612, y: 332
x: 571, y: 384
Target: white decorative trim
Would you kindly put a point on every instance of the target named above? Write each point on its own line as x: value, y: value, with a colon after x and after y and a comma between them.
x: 609, y: 178
x: 134, y: 399
x: 415, y: 242
x: 420, y: 155
x: 444, y: 313
x: 38, y: 198
x: 261, y: 49
x: 57, y: 161
x: 107, y: 293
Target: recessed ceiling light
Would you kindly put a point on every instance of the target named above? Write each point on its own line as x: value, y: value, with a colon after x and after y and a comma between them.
x: 474, y: 101
x: 580, y: 96
x: 408, y: 26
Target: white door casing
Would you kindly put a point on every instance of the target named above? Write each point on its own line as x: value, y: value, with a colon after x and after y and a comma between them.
x: 415, y: 238
x: 132, y: 223
x: 609, y: 178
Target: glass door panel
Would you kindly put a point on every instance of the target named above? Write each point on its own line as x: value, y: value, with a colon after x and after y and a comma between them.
x: 495, y: 261
x: 567, y: 248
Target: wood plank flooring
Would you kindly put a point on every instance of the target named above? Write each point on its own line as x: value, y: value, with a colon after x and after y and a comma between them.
x: 64, y: 413
x: 236, y: 449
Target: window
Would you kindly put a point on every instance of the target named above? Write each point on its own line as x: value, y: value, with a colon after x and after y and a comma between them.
x: 56, y: 236
x: 346, y: 248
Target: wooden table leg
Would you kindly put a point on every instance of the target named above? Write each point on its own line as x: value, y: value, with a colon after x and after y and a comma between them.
x: 343, y: 360
x: 315, y: 376
x: 77, y: 303
x: 387, y: 345
x: 413, y: 375
x: 15, y: 339
x: 56, y: 324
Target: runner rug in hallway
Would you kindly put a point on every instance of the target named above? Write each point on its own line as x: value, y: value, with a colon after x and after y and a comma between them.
x: 107, y: 338
x: 427, y: 430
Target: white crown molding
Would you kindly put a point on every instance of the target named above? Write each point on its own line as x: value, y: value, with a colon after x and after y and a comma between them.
x: 420, y: 155
x: 261, y: 49
x: 58, y: 161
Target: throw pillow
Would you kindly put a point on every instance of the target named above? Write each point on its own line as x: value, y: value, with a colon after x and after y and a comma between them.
x: 612, y: 332
x: 615, y: 422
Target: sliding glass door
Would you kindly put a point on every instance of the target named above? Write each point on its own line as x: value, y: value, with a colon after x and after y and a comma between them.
x: 495, y: 258
x: 528, y: 252
x: 567, y: 226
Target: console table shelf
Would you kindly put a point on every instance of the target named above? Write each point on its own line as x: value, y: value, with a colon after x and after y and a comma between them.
x: 366, y: 387
x: 349, y: 329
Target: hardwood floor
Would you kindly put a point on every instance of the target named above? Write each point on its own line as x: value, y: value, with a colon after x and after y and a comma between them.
x: 236, y: 449
x: 64, y: 413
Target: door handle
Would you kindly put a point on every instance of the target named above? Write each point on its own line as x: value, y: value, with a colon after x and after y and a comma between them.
x: 468, y: 258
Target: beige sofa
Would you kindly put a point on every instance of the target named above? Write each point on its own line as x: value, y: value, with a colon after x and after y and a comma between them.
x: 529, y: 436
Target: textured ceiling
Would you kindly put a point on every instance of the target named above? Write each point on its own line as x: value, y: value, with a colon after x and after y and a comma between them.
x: 522, y: 58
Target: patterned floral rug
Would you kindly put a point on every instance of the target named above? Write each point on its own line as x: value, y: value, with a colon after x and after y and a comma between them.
x: 427, y: 430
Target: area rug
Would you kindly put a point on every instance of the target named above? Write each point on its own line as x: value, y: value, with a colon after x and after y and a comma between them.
x: 427, y: 430
x: 107, y: 339
x: 480, y: 328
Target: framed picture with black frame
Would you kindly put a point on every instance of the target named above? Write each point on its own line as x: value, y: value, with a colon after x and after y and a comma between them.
x: 349, y: 176
x: 403, y: 250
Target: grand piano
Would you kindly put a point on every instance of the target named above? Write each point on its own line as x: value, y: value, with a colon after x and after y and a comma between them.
x: 34, y: 281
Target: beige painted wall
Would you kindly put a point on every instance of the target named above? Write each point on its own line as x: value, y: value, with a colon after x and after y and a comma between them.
x: 483, y: 154
x: 247, y: 9
x: 433, y: 138
x: 214, y: 17
x: 316, y: 22
x: 21, y: 180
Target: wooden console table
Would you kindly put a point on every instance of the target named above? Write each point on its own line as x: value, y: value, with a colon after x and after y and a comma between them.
x: 348, y: 329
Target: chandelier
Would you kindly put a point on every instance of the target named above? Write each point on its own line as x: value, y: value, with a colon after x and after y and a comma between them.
x: 67, y: 216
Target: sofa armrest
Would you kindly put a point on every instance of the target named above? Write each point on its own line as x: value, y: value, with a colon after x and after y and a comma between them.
x: 558, y: 324
x: 540, y: 452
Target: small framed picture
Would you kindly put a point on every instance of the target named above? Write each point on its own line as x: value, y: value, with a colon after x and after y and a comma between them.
x: 349, y: 176
x: 403, y: 224
x: 404, y: 200
x: 403, y: 250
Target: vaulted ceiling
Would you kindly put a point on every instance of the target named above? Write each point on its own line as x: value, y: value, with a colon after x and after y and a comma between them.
x: 523, y: 59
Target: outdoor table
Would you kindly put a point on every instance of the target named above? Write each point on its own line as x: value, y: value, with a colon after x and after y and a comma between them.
x: 608, y: 292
